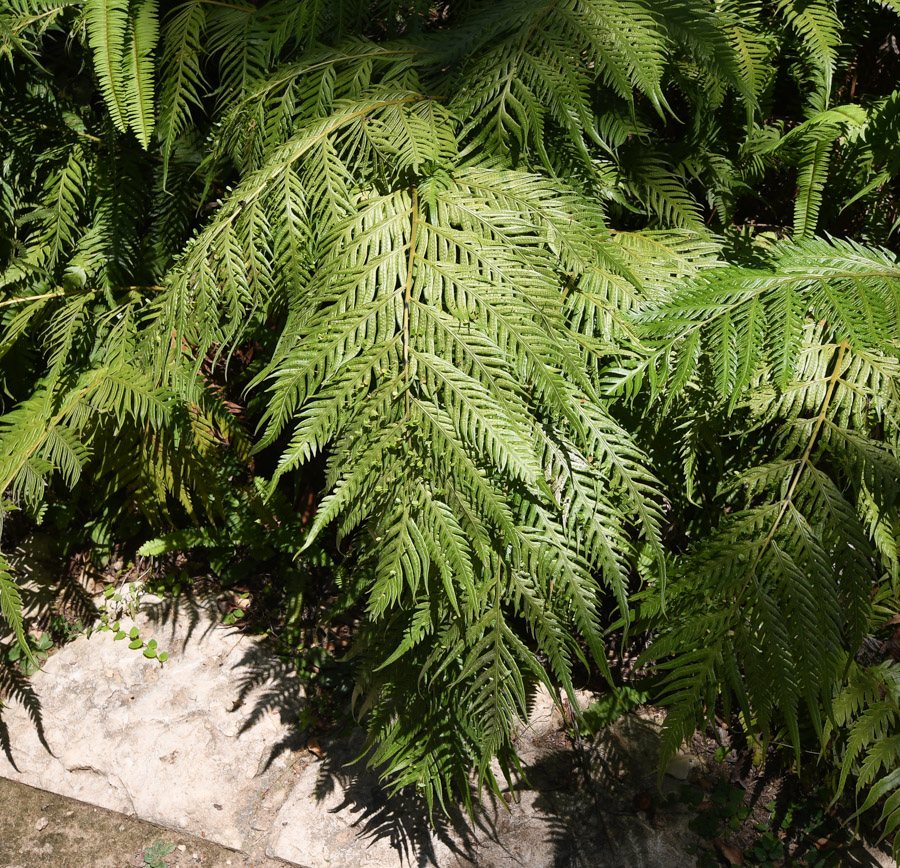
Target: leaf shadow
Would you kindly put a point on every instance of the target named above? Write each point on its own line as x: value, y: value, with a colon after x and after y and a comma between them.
x: 401, y: 817
x: 199, y: 610
x: 272, y: 686
x: 14, y: 685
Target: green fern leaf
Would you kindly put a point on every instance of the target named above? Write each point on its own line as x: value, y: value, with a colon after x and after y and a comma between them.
x: 138, y: 69
x: 107, y: 24
x: 11, y: 609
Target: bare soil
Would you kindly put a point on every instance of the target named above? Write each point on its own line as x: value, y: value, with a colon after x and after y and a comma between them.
x: 39, y: 829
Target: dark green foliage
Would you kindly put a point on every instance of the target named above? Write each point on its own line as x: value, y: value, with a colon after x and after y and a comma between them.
x: 453, y: 268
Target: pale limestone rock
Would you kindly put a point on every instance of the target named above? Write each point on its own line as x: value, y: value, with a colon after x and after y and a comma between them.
x: 155, y: 739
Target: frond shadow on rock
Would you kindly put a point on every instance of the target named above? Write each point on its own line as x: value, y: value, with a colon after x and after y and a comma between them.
x: 168, y: 611
x: 401, y: 818
x: 575, y: 791
x: 14, y: 685
x: 264, y: 681
x: 76, y: 602
x: 273, y: 686
x: 588, y: 796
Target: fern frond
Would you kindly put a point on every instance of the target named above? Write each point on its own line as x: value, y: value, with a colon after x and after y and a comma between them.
x: 11, y: 608
x: 380, y: 234
x: 817, y: 137
x: 798, y: 564
x: 868, y: 708
x: 855, y: 292
x: 30, y: 431
x: 59, y: 217
x: 817, y: 26
x: 138, y: 69
x: 107, y: 24
x: 182, y: 83
x: 526, y: 76
x: 810, y: 183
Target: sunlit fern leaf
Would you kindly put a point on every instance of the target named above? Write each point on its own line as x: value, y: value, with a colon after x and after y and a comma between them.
x: 137, y: 70
x: 855, y: 292
x: 811, y: 182
x: 816, y: 138
x: 107, y: 24
x: 408, y: 355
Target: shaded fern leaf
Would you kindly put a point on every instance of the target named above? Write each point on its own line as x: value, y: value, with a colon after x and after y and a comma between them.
x: 866, y: 721
x: 11, y: 609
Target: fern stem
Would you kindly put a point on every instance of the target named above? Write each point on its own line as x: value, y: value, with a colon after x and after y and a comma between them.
x: 61, y: 130
x: 10, y: 301
x: 61, y: 292
x: 374, y: 52
x: 24, y: 23
x: 407, y: 288
x: 843, y: 346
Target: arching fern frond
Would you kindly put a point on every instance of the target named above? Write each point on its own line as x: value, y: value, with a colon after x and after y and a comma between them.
x: 137, y: 69
x: 751, y: 319
x: 781, y: 587
x: 817, y: 26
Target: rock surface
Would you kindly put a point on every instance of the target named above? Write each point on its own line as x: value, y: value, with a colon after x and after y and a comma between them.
x: 170, y: 742
x: 203, y: 744
x: 577, y: 808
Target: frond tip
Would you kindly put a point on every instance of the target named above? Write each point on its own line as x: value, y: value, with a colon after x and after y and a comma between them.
x: 123, y: 39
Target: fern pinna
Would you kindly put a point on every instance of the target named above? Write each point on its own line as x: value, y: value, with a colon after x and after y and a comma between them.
x: 460, y: 258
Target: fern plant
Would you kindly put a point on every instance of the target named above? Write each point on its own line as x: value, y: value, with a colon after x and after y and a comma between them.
x: 803, y: 359
x: 458, y: 260
x: 867, y: 707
